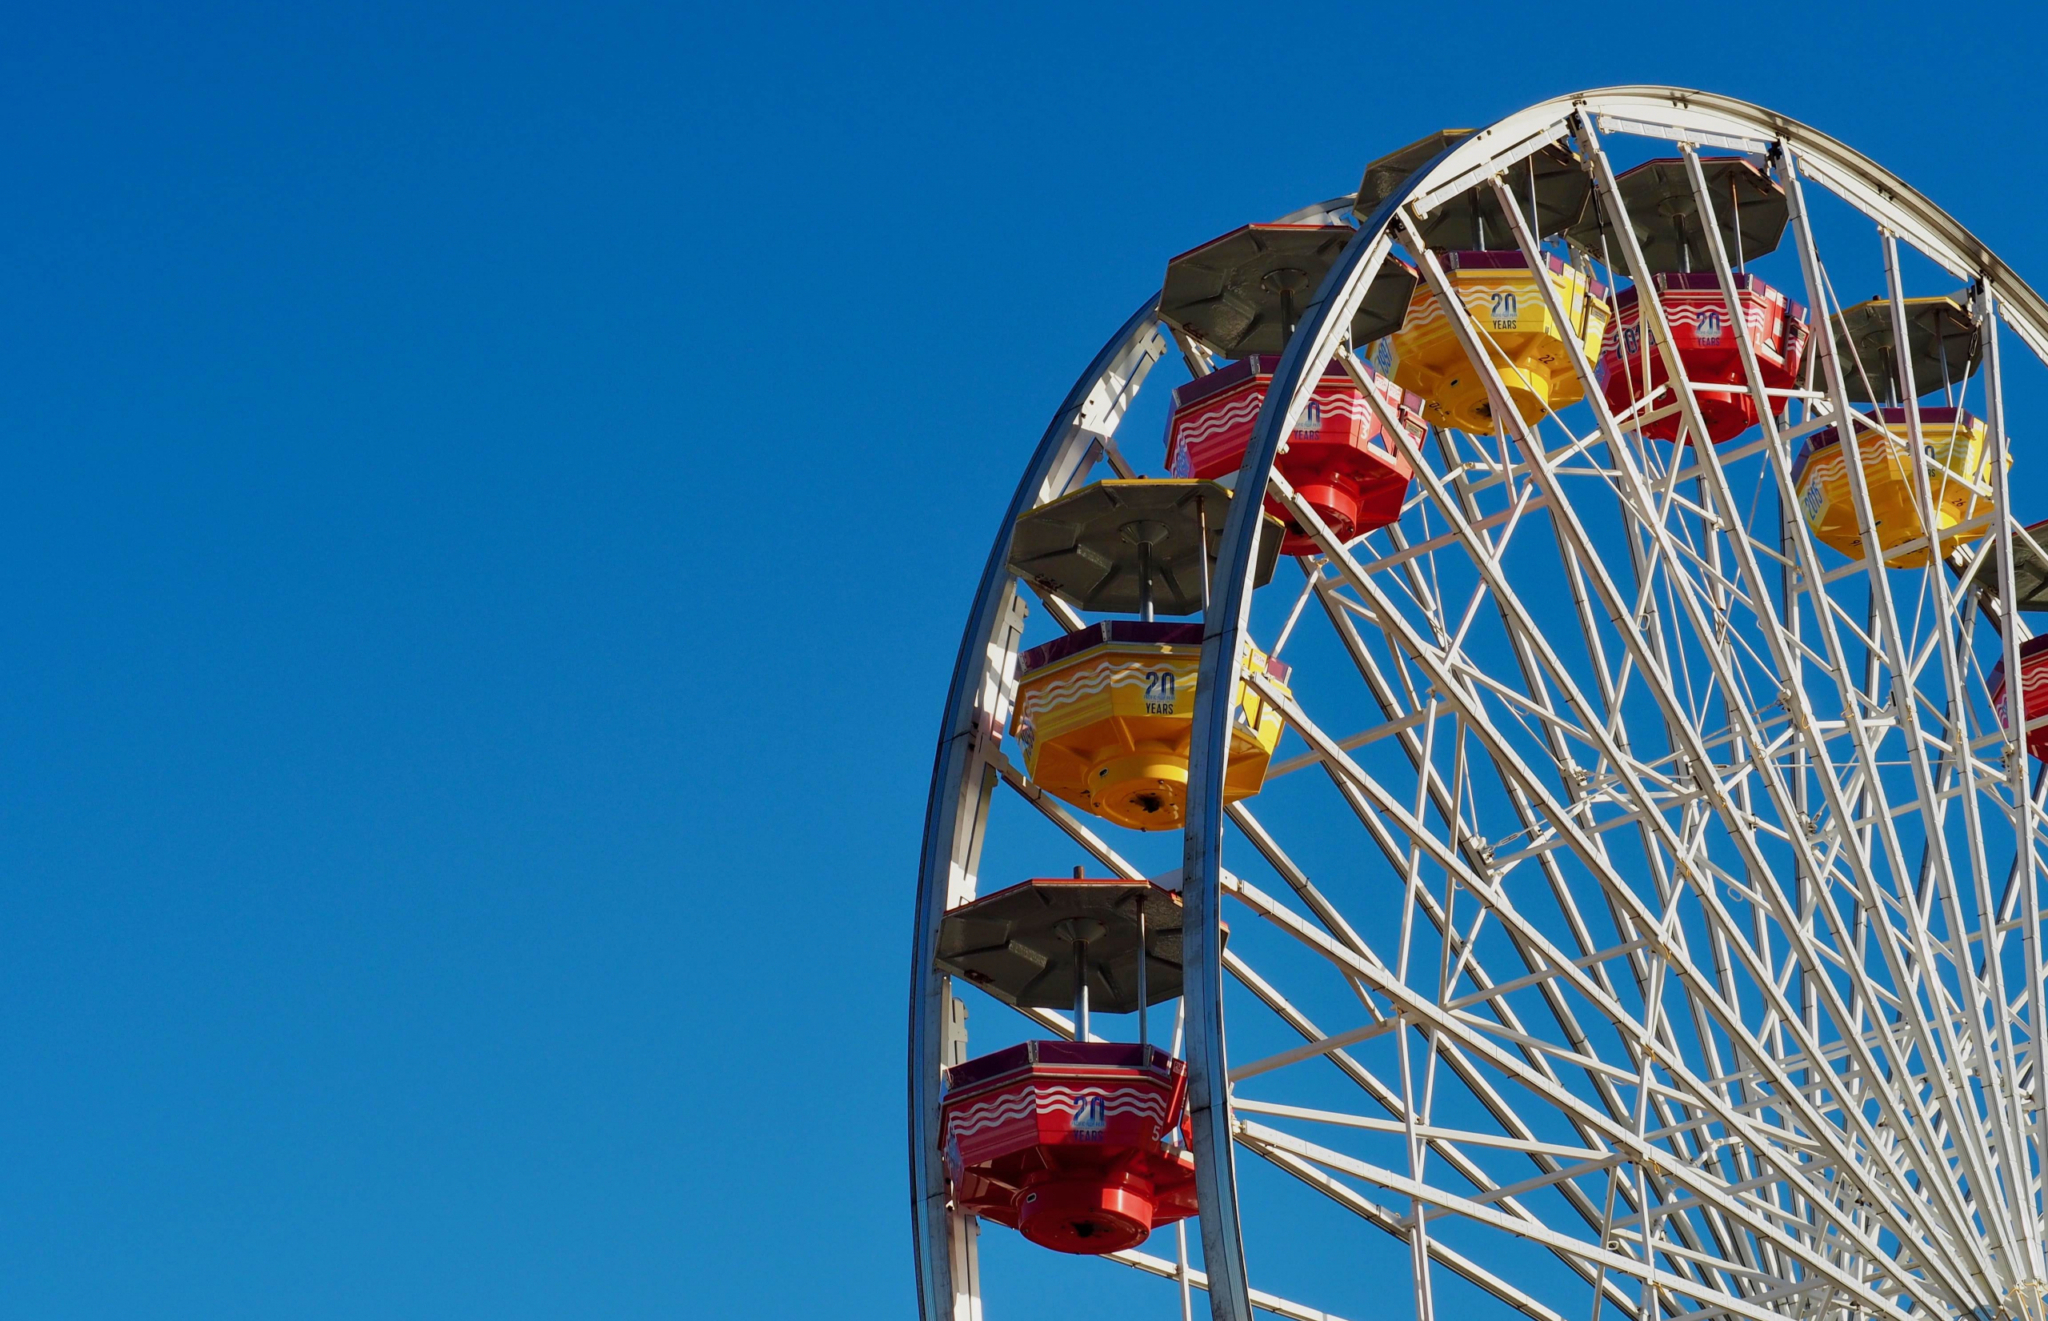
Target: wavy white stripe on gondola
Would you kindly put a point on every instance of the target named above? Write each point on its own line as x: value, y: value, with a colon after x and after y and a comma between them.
x: 1010, y: 1107
x: 1094, y: 679
x: 1342, y: 405
x: 1878, y: 453
x: 1237, y: 413
x: 1689, y: 311
x: 2033, y: 681
x: 1477, y: 299
x: 964, y: 1130
x: 977, y: 1119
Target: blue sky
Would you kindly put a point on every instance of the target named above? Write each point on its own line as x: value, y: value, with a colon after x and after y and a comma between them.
x: 490, y: 498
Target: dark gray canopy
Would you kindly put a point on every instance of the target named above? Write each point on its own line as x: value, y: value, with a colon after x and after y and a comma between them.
x: 1941, y: 331
x: 1550, y: 186
x: 2029, y: 570
x: 1749, y: 210
x: 1091, y: 548
x: 1018, y: 944
x: 1242, y: 293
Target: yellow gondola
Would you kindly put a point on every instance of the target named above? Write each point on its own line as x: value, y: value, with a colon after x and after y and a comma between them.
x: 1499, y: 291
x: 1105, y: 716
x: 1958, y: 474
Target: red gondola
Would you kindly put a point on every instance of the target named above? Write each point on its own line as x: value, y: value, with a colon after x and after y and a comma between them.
x: 1338, y: 458
x: 1065, y: 1142
x: 2033, y: 692
x: 1698, y: 312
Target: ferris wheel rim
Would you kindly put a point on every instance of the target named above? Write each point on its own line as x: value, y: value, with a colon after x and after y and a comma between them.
x: 1068, y: 441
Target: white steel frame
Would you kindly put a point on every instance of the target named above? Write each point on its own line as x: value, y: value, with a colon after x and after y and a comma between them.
x: 1729, y: 1002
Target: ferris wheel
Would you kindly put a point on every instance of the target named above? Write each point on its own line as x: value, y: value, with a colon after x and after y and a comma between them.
x: 1516, y: 792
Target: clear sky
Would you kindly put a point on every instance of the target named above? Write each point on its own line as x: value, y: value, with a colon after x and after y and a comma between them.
x: 490, y: 498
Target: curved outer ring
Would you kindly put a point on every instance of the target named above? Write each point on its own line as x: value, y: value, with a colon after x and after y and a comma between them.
x: 964, y: 774
x: 962, y: 781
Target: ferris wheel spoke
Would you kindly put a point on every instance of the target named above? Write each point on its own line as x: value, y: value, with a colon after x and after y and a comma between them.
x: 1402, y: 1227
x: 1325, y: 911
x: 1301, y: 930
x: 1389, y: 1098
x: 1443, y: 1149
x: 1535, y: 668
x: 1504, y: 1113
x: 1394, y: 1224
x: 1384, y: 804
x: 1561, y: 758
x: 1463, y: 321
x: 1530, y: 825
x: 1646, y: 507
x: 1508, y: 1023
x: 2027, y: 805
x: 1457, y: 944
x: 1750, y: 1215
x: 1374, y: 805
x: 1638, y: 458
x: 1482, y: 552
x: 1333, y: 757
x: 2003, y: 1113
x: 1171, y: 1270
x: 1710, y: 465
x: 1935, y: 1033
x: 1752, y: 1184
x: 1993, y: 1042
x: 1527, y: 821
